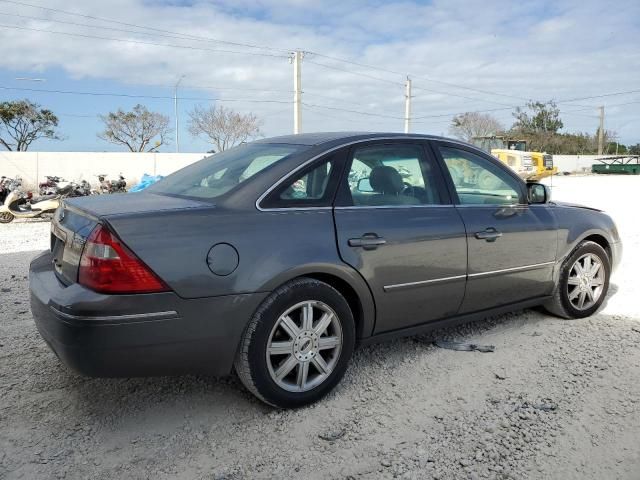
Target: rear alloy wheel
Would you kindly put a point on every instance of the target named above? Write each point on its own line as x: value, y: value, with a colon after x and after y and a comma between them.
x: 6, y: 217
x: 583, y: 284
x: 297, y: 346
x: 304, y: 346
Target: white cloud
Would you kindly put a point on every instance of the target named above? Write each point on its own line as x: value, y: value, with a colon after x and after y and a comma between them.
x: 558, y: 50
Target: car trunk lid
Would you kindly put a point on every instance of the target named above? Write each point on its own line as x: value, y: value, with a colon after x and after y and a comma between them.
x: 76, y: 218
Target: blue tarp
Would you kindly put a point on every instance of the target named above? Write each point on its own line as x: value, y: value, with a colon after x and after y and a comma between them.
x: 146, y: 181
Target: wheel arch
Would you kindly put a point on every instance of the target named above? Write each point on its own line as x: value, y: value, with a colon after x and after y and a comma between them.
x: 347, y: 281
x: 600, y: 240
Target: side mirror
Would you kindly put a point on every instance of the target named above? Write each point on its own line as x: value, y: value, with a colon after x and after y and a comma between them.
x: 364, y: 185
x: 538, y: 193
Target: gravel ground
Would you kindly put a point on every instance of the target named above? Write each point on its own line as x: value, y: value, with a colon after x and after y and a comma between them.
x: 557, y: 398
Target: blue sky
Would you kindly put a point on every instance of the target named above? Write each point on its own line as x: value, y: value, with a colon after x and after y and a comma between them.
x: 462, y: 56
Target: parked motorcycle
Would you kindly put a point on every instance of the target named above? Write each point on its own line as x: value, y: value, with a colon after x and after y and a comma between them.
x: 18, y: 204
x: 59, y: 186
x: 52, y: 183
x: 81, y: 189
x: 4, y: 188
x: 112, y: 186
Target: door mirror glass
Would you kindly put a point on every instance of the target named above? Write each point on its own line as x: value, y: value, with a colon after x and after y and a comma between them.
x: 364, y: 185
x: 538, y: 193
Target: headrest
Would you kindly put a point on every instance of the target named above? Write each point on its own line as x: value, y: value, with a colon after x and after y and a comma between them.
x: 386, y: 180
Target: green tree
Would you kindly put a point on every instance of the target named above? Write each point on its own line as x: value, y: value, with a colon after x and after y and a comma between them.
x: 537, y: 117
x: 22, y: 122
x: 634, y: 149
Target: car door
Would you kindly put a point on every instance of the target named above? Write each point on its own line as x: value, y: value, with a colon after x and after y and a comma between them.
x: 511, y: 244
x: 396, y: 225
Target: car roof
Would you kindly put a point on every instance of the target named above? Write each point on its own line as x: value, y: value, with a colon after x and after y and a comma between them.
x: 319, y: 138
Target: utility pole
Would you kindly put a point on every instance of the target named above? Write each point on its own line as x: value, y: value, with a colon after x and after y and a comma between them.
x: 297, y: 91
x: 175, y: 111
x: 407, y: 105
x: 601, y: 132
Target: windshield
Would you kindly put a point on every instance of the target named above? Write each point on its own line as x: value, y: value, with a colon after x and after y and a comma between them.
x: 214, y: 176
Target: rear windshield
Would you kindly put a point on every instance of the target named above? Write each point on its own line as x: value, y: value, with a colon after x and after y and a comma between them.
x: 214, y: 176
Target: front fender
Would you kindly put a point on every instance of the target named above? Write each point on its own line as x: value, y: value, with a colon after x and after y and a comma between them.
x: 575, y: 224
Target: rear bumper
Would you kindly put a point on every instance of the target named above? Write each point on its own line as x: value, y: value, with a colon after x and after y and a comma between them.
x: 136, y: 335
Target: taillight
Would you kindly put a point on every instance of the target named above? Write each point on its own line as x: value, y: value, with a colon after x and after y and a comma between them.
x: 108, y: 266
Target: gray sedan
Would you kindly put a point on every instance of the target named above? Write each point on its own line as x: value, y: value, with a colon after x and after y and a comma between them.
x: 278, y: 257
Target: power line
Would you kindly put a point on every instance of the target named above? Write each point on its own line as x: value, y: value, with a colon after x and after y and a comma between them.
x: 118, y: 22
x: 516, y: 106
x: 140, y: 42
x: 178, y: 37
x: 460, y: 113
x: 172, y: 34
x: 352, y: 111
x: 623, y: 104
x: 354, y: 73
x: 316, y: 111
x: 456, y: 95
x: 153, y: 97
x: 395, y: 72
x: 335, y: 99
x: 597, y: 96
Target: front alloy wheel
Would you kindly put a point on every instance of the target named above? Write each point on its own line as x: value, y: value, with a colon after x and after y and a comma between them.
x: 586, y: 281
x: 583, y: 282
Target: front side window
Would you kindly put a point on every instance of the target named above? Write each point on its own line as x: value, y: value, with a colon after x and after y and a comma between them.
x: 390, y: 175
x: 477, y: 181
x: 218, y: 174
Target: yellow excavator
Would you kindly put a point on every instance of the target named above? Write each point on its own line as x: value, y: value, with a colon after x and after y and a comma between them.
x: 528, y: 165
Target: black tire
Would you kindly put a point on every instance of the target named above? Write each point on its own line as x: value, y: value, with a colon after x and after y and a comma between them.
x: 560, y: 305
x: 6, y: 217
x: 251, y: 359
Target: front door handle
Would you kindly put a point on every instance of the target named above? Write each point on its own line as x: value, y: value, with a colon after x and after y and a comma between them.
x: 368, y: 241
x: 490, y: 234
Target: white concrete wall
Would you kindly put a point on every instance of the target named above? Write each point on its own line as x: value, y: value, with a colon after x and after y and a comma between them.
x: 575, y: 163
x: 33, y: 166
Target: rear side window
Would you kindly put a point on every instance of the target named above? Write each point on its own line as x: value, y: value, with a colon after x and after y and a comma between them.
x: 313, y: 187
x: 218, y: 174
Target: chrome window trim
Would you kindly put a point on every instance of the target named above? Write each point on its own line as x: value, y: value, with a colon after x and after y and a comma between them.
x: 398, y: 286
x: 533, y: 266
x: 493, y: 205
x: 425, y: 205
x: 296, y: 209
x: 313, y: 159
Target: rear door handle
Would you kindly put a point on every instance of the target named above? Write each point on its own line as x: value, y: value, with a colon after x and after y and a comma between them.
x: 490, y: 234
x: 368, y: 241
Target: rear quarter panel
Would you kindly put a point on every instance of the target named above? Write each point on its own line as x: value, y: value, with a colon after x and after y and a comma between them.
x: 273, y: 247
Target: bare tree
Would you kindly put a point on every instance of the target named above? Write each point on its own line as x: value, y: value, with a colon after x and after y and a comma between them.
x: 136, y: 129
x: 472, y: 124
x: 22, y: 122
x: 223, y: 127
